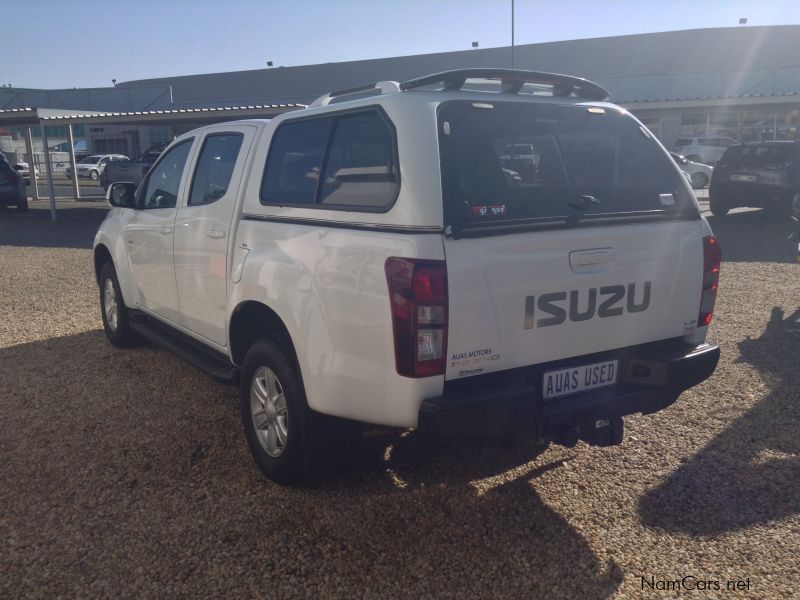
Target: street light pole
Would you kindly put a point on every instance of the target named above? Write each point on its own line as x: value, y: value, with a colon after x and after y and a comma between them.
x: 512, y: 34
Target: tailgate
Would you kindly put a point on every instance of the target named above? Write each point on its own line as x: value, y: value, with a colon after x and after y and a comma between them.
x: 526, y: 298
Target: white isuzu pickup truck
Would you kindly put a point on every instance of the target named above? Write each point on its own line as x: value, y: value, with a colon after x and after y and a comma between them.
x: 471, y: 252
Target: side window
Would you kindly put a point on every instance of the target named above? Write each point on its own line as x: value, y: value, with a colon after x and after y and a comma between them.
x: 295, y: 162
x: 215, y: 167
x: 360, y: 169
x: 165, y: 178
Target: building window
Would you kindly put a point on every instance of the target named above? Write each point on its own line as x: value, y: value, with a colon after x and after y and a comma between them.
x: 725, y: 124
x: 693, y: 124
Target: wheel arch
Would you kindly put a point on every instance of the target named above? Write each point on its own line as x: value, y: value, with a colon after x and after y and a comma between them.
x: 102, y: 255
x: 252, y: 320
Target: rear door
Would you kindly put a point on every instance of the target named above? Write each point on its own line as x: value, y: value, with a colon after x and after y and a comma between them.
x: 203, y: 230
x: 594, y: 244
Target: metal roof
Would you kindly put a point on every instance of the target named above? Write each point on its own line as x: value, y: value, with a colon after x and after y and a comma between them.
x: 35, y: 116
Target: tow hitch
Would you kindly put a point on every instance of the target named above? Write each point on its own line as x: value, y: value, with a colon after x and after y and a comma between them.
x: 599, y: 431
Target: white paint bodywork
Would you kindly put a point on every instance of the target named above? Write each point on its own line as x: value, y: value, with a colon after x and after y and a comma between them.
x: 328, y: 285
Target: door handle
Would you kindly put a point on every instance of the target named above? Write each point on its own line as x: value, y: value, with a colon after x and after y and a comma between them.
x: 165, y: 230
x: 216, y: 234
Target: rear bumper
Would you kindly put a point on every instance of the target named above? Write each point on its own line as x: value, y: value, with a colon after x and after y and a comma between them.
x: 651, y: 377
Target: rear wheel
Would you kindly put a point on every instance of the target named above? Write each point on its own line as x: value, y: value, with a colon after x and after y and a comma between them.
x: 719, y: 208
x: 22, y: 204
x: 290, y: 443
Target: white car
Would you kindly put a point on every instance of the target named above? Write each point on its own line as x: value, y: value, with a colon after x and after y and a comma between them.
x: 366, y: 260
x: 704, y: 149
x: 25, y: 172
x: 699, y: 174
x: 93, y: 166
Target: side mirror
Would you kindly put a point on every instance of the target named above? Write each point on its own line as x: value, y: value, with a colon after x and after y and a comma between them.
x: 121, y: 194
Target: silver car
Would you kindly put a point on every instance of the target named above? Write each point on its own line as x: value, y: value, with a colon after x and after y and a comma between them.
x: 699, y: 174
x: 94, y: 165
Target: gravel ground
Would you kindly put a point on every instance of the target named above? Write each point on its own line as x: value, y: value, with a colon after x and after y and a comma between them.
x: 126, y: 472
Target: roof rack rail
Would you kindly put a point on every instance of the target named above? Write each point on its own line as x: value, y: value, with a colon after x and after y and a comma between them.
x: 512, y: 80
x: 383, y: 87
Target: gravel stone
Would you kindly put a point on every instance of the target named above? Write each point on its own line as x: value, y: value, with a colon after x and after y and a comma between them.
x: 126, y: 472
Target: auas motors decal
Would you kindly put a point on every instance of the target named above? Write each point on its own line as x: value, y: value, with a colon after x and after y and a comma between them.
x: 607, y: 301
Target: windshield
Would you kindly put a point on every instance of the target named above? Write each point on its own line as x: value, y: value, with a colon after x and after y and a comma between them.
x: 512, y: 161
x: 91, y: 160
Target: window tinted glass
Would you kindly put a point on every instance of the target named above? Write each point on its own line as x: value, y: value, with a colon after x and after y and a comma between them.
x: 295, y: 161
x: 568, y: 154
x: 683, y: 142
x: 215, y: 167
x: 360, y: 169
x: 164, y: 180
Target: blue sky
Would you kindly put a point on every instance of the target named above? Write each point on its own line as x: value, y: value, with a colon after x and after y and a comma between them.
x: 52, y: 44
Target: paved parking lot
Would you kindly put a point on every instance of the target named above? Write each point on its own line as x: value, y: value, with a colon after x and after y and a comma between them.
x: 127, y: 471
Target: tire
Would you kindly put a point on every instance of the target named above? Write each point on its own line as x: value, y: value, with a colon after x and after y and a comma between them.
x: 699, y: 180
x: 22, y: 204
x: 718, y: 207
x: 94, y: 175
x: 291, y: 444
x: 116, y: 322
x: 781, y: 210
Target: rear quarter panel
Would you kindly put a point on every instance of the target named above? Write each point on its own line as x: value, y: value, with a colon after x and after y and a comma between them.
x: 328, y: 286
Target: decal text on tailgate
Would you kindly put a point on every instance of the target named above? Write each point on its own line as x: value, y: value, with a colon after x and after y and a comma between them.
x: 607, y: 301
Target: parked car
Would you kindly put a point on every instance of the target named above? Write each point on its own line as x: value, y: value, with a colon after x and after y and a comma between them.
x: 759, y: 174
x: 94, y: 165
x: 24, y: 170
x: 367, y: 261
x: 12, y: 187
x: 131, y: 170
x: 699, y: 174
x: 704, y: 149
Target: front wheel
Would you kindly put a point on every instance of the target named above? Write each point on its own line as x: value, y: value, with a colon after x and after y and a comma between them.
x: 93, y: 175
x: 116, y: 317
x: 699, y: 180
x: 22, y: 204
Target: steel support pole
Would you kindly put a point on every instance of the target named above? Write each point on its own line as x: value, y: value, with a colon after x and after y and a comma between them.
x: 49, y: 167
x: 71, y: 142
x: 31, y: 163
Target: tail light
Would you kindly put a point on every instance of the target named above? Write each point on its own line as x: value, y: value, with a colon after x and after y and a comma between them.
x: 418, y: 298
x: 712, y: 257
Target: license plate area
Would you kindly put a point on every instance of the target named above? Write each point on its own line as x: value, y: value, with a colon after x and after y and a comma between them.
x: 744, y: 178
x: 573, y: 380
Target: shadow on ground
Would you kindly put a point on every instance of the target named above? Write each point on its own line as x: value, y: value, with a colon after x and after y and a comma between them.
x: 129, y: 470
x: 74, y: 228
x: 750, y: 473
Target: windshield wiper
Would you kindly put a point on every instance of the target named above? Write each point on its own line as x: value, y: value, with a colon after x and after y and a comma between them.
x: 585, y: 202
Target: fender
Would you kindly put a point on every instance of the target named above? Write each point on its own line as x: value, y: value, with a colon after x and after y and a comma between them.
x: 111, y: 235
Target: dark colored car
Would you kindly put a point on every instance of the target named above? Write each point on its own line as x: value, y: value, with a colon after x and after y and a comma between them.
x: 759, y: 174
x: 131, y: 170
x: 12, y: 187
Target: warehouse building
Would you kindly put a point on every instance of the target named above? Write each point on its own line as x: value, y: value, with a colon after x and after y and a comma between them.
x: 739, y: 83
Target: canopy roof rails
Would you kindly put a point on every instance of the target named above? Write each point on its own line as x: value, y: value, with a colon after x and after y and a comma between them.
x: 381, y: 87
x: 512, y: 80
